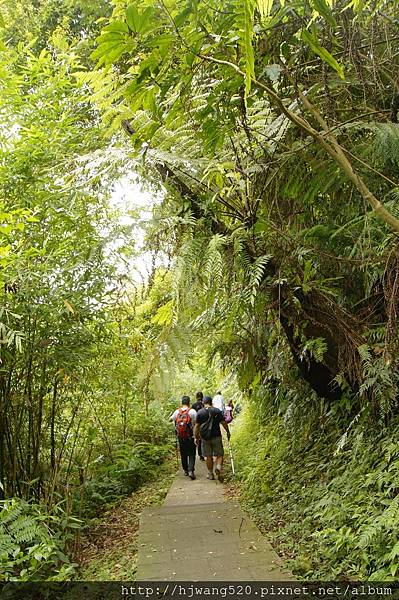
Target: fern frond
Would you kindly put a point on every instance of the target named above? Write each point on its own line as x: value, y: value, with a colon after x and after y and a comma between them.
x: 386, y: 143
x: 10, y: 510
x: 24, y: 529
x: 245, y: 10
x: 388, y: 520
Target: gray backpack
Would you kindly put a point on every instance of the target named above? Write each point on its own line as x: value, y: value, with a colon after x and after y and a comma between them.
x: 206, y: 428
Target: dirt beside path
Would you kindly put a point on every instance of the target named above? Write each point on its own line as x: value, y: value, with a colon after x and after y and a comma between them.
x: 108, y: 550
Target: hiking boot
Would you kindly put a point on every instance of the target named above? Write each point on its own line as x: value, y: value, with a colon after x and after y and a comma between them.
x: 210, y: 476
x: 192, y: 476
x: 186, y: 473
x: 219, y: 475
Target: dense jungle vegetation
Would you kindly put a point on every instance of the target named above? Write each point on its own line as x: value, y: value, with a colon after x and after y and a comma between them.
x: 267, y: 133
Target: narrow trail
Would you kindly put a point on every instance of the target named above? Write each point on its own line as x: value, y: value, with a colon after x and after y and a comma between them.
x: 199, y: 535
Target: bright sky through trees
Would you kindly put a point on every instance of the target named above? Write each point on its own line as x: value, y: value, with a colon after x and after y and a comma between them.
x: 135, y: 205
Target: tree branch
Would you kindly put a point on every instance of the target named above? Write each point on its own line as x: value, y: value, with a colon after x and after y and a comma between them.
x: 327, y: 141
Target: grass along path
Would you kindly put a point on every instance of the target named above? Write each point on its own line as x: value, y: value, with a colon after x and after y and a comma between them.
x: 108, y: 550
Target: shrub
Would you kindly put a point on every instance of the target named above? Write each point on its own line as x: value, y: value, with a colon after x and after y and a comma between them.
x: 334, y: 512
x: 131, y: 466
x: 33, y: 542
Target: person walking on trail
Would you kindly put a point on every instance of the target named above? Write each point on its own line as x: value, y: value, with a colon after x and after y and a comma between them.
x: 207, y: 431
x: 228, y: 412
x: 198, y: 404
x: 199, y: 401
x: 218, y: 402
x: 184, y: 419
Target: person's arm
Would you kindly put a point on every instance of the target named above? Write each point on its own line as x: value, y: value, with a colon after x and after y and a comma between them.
x: 197, y: 433
x: 193, y: 417
x: 197, y: 436
x: 226, y: 427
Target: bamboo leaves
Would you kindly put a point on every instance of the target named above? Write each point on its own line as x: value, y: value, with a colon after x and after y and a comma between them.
x: 265, y: 7
x: 324, y: 10
x: 245, y: 28
x: 311, y: 39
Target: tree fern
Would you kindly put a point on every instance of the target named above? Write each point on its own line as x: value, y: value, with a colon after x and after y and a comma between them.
x: 8, y: 545
x: 10, y: 511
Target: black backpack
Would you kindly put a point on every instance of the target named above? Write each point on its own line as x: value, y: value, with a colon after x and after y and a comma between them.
x: 206, y: 428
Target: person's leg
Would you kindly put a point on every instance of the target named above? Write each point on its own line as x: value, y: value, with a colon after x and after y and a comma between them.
x: 200, y: 451
x: 183, y: 455
x: 207, y: 452
x: 191, y: 463
x: 209, y: 464
x: 219, y: 451
x: 191, y: 450
x: 219, y: 462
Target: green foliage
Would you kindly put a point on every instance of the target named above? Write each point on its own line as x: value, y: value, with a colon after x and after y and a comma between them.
x: 263, y: 131
x: 386, y: 145
x: 33, y: 542
x: 311, y: 39
x: 131, y: 464
x: 74, y: 331
x: 245, y: 27
x: 269, y: 243
x: 333, y: 514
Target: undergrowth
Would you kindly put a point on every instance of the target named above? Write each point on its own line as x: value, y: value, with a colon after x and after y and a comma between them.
x: 109, y: 547
x: 34, y: 541
x: 331, y: 513
x: 37, y: 543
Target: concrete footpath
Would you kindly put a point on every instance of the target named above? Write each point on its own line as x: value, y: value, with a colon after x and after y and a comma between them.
x: 198, y: 535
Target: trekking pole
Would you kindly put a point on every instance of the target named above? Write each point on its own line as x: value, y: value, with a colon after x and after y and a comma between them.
x: 231, y: 457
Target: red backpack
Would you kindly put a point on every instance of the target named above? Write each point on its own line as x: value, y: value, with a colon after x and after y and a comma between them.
x: 183, y: 424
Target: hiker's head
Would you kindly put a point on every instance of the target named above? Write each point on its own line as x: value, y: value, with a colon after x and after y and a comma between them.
x: 219, y: 393
x: 199, y: 396
x: 208, y: 400
x: 185, y: 401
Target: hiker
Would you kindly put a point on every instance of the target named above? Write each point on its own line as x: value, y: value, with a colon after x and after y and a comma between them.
x: 218, y: 402
x: 184, y: 419
x: 207, y: 432
x: 199, y: 401
x: 228, y: 412
x: 198, y: 404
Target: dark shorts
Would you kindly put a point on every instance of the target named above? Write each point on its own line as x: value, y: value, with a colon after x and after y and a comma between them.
x: 212, y: 447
